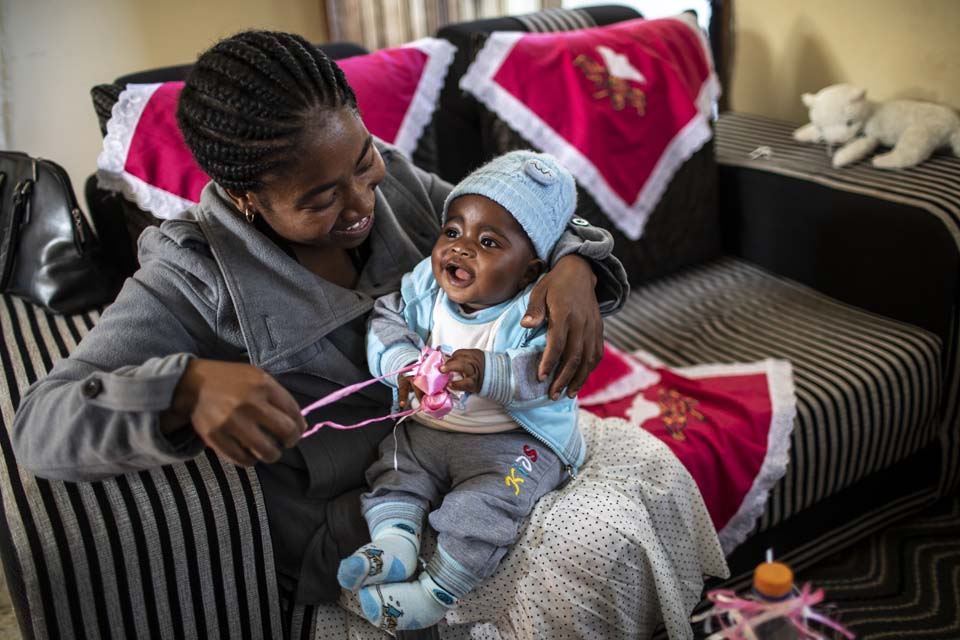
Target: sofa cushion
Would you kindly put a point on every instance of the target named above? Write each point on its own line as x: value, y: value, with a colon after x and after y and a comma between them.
x: 868, y: 388
x: 887, y: 241
x: 122, y: 558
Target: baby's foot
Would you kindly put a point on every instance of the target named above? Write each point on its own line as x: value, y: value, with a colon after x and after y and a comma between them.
x: 391, y: 557
x: 406, y: 605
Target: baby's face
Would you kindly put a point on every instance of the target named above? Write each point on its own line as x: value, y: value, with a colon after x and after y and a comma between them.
x: 483, y: 256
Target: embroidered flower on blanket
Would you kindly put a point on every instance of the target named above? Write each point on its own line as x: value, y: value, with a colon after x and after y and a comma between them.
x: 841, y: 115
x: 728, y: 424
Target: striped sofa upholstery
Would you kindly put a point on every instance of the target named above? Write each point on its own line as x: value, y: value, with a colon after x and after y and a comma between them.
x: 868, y: 388
x: 930, y: 196
x: 182, y: 551
x: 876, y: 362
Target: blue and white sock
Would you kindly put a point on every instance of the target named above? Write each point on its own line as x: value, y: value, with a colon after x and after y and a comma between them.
x: 406, y: 605
x: 391, y: 556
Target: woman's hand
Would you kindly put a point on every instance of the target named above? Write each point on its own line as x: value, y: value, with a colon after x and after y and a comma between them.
x: 565, y: 297
x: 238, y: 410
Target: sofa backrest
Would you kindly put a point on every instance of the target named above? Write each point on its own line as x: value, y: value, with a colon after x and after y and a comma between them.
x: 105, y: 95
x: 683, y: 229
x: 461, y: 129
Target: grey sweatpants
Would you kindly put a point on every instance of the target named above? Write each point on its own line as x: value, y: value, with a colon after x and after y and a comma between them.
x: 477, y: 488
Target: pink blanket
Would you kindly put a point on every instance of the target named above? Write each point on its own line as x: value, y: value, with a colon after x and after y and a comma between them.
x: 728, y: 424
x: 622, y: 106
x: 145, y: 157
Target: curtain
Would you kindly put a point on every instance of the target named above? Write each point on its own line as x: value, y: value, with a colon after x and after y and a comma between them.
x: 376, y: 24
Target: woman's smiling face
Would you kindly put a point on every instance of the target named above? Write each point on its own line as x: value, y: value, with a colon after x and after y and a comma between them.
x: 325, y: 198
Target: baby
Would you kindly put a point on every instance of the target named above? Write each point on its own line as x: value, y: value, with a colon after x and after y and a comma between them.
x: 478, y: 471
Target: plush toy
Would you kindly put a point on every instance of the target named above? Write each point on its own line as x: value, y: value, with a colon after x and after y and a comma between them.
x: 841, y: 114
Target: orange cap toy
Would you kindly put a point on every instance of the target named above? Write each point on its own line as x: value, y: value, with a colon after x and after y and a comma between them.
x: 773, y: 580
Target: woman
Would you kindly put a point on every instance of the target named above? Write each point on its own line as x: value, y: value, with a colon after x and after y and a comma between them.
x: 256, y: 303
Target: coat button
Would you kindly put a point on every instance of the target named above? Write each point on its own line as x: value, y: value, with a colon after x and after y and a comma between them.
x: 92, y: 387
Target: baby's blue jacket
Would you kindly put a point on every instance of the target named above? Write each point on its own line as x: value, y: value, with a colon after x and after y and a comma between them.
x: 400, y: 325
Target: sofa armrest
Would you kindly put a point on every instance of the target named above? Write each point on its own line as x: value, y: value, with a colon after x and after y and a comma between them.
x: 184, y: 547
x: 865, y: 240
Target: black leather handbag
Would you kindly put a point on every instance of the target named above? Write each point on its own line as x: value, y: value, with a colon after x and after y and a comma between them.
x: 48, y: 252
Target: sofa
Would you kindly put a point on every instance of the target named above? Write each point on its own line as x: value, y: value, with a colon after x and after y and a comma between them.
x: 758, y: 248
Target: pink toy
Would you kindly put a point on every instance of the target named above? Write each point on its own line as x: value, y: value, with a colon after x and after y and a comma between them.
x: 738, y: 616
x: 426, y: 376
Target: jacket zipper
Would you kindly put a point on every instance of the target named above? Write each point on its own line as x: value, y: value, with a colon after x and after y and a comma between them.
x: 566, y: 467
x: 21, y: 203
x: 78, y: 226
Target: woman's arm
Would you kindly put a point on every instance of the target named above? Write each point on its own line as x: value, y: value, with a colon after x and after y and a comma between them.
x: 127, y: 397
x: 97, y: 413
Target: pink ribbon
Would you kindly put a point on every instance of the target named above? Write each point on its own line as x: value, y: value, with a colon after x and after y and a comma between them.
x: 427, y: 377
x: 738, y: 617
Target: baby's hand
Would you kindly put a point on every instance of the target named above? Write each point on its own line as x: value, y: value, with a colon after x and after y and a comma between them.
x: 404, y: 387
x: 469, y: 364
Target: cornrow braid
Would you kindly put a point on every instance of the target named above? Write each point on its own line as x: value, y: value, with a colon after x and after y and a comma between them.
x: 248, y: 100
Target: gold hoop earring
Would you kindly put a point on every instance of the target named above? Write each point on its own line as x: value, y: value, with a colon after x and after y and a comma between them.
x: 249, y: 214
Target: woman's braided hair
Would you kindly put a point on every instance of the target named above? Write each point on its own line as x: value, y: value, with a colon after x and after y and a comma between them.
x: 248, y: 100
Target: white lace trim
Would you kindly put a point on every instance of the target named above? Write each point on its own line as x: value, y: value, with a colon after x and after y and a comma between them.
x: 420, y: 112
x: 639, y: 378
x: 630, y: 218
x: 111, y: 163
x: 783, y: 402
x: 126, y: 113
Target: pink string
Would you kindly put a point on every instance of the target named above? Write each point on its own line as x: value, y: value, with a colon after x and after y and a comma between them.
x: 427, y: 377
x: 747, y: 614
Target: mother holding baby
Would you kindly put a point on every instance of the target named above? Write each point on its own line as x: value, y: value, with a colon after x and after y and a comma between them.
x: 255, y: 303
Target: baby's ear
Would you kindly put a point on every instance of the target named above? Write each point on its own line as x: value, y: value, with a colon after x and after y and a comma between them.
x: 532, y: 271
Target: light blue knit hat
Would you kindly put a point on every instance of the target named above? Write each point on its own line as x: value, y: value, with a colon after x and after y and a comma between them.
x: 533, y: 187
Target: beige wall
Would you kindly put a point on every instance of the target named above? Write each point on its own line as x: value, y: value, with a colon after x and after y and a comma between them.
x: 56, y: 50
x: 893, y: 48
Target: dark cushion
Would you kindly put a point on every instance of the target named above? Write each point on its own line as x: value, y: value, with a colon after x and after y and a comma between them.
x: 868, y: 388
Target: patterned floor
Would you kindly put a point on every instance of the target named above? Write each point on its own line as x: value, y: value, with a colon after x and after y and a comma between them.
x: 901, y: 583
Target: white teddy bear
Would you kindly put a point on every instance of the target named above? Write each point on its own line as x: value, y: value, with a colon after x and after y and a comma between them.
x: 839, y: 113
